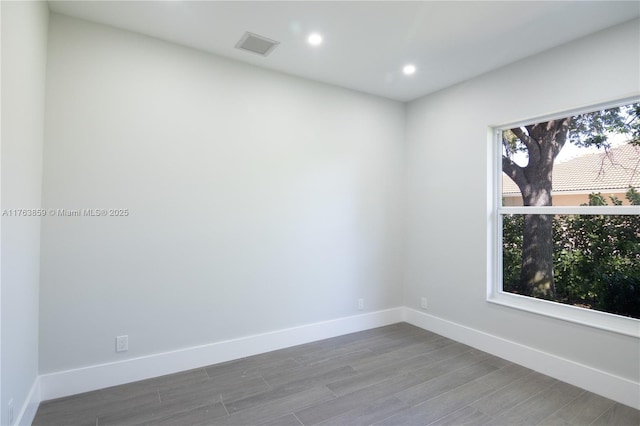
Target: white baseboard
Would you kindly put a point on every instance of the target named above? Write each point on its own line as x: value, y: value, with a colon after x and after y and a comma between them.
x: 28, y: 412
x: 599, y: 382
x: 64, y: 383
x: 70, y: 382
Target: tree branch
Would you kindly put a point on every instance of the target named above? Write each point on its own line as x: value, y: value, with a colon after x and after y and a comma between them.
x: 524, y: 138
x: 560, y: 134
x: 530, y: 143
x: 530, y: 128
x: 515, y: 172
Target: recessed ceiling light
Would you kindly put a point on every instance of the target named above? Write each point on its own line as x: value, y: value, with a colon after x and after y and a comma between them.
x: 315, y: 39
x: 409, y: 69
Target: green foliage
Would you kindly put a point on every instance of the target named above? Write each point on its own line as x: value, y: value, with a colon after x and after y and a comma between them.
x: 511, y: 144
x: 596, y: 258
x: 633, y: 196
x: 591, y: 129
x: 512, y: 236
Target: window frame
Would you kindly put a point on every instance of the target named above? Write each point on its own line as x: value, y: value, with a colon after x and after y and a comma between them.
x: 495, y: 294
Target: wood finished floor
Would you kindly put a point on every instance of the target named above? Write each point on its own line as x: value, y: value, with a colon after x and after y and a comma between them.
x: 394, y: 375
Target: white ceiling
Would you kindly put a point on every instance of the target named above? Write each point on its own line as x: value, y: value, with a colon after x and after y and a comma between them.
x: 367, y: 43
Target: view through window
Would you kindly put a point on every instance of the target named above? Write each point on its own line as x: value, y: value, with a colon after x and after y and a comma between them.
x: 570, y: 211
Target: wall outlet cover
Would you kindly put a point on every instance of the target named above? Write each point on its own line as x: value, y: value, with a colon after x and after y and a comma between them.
x: 122, y: 343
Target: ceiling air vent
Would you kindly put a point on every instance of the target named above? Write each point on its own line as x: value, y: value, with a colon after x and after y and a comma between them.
x: 256, y: 44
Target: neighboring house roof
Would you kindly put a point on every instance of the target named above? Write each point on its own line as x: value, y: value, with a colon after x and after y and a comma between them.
x: 618, y: 168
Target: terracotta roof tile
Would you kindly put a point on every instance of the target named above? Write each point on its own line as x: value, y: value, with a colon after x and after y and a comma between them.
x: 600, y: 171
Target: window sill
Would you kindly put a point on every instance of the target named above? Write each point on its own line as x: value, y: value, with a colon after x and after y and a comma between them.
x: 596, y: 319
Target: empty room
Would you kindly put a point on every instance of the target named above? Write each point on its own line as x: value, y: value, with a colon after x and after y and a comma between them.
x: 320, y: 213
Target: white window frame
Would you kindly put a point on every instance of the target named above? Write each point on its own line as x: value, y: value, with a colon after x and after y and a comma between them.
x: 495, y: 294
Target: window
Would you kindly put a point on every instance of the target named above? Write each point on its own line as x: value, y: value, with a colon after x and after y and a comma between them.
x: 566, y: 230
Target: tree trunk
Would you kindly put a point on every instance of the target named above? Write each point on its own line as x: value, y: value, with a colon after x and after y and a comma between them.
x: 536, y: 275
x: 543, y: 142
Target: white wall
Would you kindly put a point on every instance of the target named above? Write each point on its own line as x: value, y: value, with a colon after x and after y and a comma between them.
x: 449, y: 179
x: 260, y: 201
x: 24, y: 49
x: 257, y: 201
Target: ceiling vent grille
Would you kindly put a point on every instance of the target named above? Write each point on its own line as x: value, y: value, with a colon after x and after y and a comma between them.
x: 256, y: 44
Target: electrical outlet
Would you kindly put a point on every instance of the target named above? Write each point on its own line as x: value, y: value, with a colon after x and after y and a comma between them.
x: 360, y: 304
x: 423, y: 303
x: 122, y: 343
x: 10, y: 411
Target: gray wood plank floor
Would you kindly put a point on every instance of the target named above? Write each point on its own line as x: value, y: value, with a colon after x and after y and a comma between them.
x: 394, y: 375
